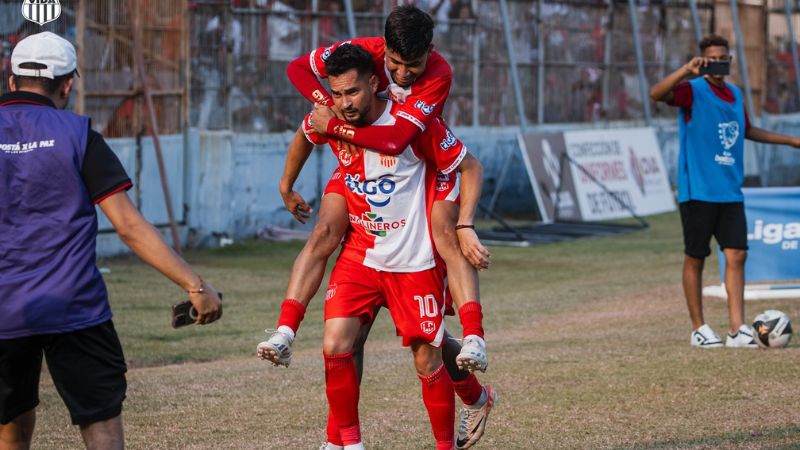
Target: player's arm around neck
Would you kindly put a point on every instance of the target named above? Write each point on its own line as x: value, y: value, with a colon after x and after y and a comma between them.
x: 471, y: 171
x: 142, y: 237
x: 662, y: 91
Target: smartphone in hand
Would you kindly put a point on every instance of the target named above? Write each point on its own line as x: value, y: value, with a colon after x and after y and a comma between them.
x: 183, y: 313
x: 716, y: 68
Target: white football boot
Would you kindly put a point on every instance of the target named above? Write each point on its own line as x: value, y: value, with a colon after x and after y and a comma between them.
x: 704, y: 337
x: 742, y: 339
x: 278, y: 348
x: 473, y: 354
x: 473, y: 420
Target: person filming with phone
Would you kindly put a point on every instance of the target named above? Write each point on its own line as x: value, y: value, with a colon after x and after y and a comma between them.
x: 713, y: 124
x: 54, y: 304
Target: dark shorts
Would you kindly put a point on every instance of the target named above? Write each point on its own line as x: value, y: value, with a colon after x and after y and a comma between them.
x: 87, y: 367
x: 701, y: 220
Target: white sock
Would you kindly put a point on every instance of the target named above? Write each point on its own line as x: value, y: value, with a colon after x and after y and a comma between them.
x: 480, y: 401
x: 330, y: 446
x: 359, y: 446
x: 287, y: 331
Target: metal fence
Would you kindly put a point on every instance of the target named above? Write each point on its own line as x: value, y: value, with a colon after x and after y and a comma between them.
x: 220, y: 64
x: 108, y: 90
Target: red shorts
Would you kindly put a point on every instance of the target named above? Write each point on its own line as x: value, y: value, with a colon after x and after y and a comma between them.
x: 446, y: 186
x: 415, y: 300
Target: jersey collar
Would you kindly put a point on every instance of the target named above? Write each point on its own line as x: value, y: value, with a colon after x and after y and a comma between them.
x: 26, y: 98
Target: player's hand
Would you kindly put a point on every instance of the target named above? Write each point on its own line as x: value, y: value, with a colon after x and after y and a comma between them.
x: 297, y: 205
x: 207, y: 304
x: 695, y: 64
x: 320, y: 117
x: 473, y: 250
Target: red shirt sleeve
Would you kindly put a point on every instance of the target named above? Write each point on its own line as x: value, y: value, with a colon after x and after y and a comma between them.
x: 426, y: 101
x: 441, y: 146
x: 311, y: 135
x: 305, y: 81
x: 682, y: 95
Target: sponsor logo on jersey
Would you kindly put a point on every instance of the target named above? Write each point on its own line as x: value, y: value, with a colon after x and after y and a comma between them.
x: 345, y: 131
x: 319, y: 97
x: 728, y: 134
x: 785, y: 234
x: 375, y: 225
x: 326, y: 54
x: 377, y: 192
x: 448, y: 141
x: 428, y: 327
x: 388, y: 161
x: 41, y: 11
x: 725, y: 159
x: 425, y: 108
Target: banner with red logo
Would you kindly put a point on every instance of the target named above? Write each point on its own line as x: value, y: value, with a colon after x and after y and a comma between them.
x: 604, y: 175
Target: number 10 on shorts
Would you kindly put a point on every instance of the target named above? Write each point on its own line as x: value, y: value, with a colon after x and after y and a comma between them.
x: 427, y: 305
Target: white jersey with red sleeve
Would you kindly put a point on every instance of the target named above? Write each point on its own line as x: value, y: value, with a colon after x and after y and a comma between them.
x: 421, y: 102
x: 389, y: 198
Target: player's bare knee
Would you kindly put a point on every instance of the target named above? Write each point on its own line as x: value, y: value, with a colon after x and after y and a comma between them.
x: 427, y: 360
x: 446, y: 241
x: 735, y: 257
x: 324, y: 239
x: 335, y: 345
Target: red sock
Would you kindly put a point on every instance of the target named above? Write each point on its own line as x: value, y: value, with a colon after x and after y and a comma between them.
x: 292, y: 313
x: 469, y: 390
x: 341, y: 385
x: 332, y: 431
x: 471, y: 316
x: 437, y: 394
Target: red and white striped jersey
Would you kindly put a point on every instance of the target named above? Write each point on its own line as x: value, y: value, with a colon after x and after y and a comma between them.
x: 389, y: 198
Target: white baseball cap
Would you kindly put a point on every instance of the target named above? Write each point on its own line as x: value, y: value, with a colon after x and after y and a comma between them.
x: 48, y: 49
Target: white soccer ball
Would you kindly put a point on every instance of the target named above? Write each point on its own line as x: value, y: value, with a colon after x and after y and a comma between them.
x: 773, y: 329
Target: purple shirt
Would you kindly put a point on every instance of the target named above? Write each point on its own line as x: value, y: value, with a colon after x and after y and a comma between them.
x: 49, y: 282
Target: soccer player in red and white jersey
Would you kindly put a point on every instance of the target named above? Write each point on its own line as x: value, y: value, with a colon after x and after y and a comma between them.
x: 411, y: 73
x: 388, y: 257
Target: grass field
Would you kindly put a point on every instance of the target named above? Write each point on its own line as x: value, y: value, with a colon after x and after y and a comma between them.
x: 588, y: 344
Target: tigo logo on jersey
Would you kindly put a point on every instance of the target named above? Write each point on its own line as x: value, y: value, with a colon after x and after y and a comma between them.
x: 428, y: 327
x: 378, y: 192
x: 326, y: 54
x: 426, y: 109
x: 41, y: 11
x: 448, y: 141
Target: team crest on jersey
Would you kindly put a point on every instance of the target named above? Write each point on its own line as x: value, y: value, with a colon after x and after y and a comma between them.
x: 728, y: 134
x: 428, y: 327
x: 388, y: 161
x: 41, y: 11
x: 442, y: 186
x: 425, y: 108
x: 448, y: 141
x: 331, y: 292
x: 347, y: 152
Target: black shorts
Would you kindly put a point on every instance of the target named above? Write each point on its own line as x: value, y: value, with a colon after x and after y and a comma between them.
x: 701, y: 220
x: 87, y: 367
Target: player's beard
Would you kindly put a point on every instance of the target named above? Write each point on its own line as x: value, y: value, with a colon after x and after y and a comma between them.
x: 362, y: 114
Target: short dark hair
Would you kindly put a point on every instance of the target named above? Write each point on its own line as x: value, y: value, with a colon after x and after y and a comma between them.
x: 713, y: 40
x: 347, y: 57
x: 48, y: 85
x: 409, y: 32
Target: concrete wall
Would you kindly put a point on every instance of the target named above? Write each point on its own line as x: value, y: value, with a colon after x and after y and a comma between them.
x: 225, y: 185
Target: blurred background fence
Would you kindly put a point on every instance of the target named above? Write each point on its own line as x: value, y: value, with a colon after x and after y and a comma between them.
x: 217, y: 72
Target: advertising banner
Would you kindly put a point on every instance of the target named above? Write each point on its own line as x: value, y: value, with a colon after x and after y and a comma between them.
x: 773, y: 234
x: 551, y: 178
x: 617, y: 166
